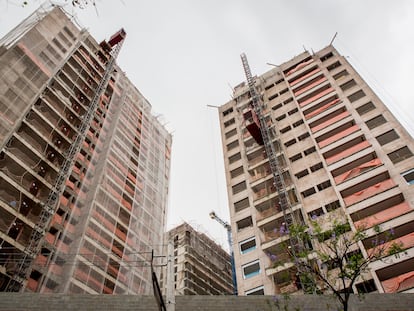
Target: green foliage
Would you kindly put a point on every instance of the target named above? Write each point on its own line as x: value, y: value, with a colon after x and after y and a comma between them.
x: 334, y: 258
x: 395, y: 248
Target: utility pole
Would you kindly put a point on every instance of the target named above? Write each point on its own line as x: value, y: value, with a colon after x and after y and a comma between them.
x: 170, y: 295
x: 226, y: 225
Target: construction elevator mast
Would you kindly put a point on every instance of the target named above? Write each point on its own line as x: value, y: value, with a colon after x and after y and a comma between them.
x: 49, y: 206
x: 261, y: 134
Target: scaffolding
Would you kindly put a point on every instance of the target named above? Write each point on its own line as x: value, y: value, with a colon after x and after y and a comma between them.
x: 49, y: 206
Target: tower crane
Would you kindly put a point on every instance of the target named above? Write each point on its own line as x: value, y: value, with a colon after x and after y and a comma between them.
x: 227, y: 226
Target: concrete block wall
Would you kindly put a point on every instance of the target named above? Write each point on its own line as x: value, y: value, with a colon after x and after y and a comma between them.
x: 61, y: 302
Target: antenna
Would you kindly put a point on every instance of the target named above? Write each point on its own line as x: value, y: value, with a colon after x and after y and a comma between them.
x: 333, y: 38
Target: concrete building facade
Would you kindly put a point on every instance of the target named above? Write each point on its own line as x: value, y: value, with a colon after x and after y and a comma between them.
x: 201, y: 267
x: 343, y: 155
x: 62, y: 91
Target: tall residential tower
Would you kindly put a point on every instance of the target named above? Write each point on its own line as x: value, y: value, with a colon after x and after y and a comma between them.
x: 84, y: 165
x: 342, y: 155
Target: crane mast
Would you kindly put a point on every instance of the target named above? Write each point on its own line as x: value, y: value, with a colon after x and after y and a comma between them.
x: 49, y: 206
x: 226, y: 225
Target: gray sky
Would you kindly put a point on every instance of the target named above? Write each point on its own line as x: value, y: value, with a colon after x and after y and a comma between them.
x: 184, y: 55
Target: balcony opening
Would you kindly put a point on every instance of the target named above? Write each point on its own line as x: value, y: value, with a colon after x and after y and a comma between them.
x: 366, y: 287
x: 348, y: 85
x: 290, y: 142
x: 348, y: 146
x: 237, y: 172
x: 363, y: 185
x: 244, y: 223
x: 376, y: 121
x: 340, y: 75
x: 309, y: 84
x: 316, y: 213
x: 328, y: 117
x: 333, y: 66
x: 316, y: 92
x: 303, y: 136
x: 397, y: 277
x: 332, y: 206
x: 365, y: 108
x: 356, y: 164
x: 280, y: 118
x: 298, y: 65
x: 273, y: 96
x: 401, y: 235
x: 293, y: 111
x: 359, y: 216
x: 241, y: 205
x: 298, y: 123
x: 324, y: 185
x: 227, y: 112
x: 234, y: 158
x: 307, y: 73
x: 327, y: 56
x: 387, y: 137
x: 239, y: 187
x: 316, y: 167
x: 229, y: 122
x: 250, y: 144
x: 231, y: 133
x: 400, y: 155
x: 268, y: 208
x: 296, y: 157
x: 285, y: 129
x: 259, y: 172
x: 232, y: 145
x: 302, y: 174
x: 355, y: 96
x: 321, y: 107
x: 333, y: 133
x: 278, y: 106
x: 309, y: 151
x: 308, y: 192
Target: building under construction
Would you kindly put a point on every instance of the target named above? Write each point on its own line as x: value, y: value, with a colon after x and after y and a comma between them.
x: 310, y: 139
x: 84, y: 165
x: 201, y: 267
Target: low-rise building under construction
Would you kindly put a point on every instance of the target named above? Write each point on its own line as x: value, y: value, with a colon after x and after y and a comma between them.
x: 201, y: 267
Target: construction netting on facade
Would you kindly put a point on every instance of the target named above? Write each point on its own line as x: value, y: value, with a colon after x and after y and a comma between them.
x: 121, y: 204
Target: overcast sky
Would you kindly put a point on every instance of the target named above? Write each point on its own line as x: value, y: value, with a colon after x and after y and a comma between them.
x: 184, y: 55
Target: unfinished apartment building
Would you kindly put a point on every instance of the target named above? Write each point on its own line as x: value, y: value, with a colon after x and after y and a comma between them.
x: 342, y: 155
x: 84, y: 165
x: 201, y: 267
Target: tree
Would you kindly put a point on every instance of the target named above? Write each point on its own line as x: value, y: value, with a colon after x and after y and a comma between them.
x: 335, y: 263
